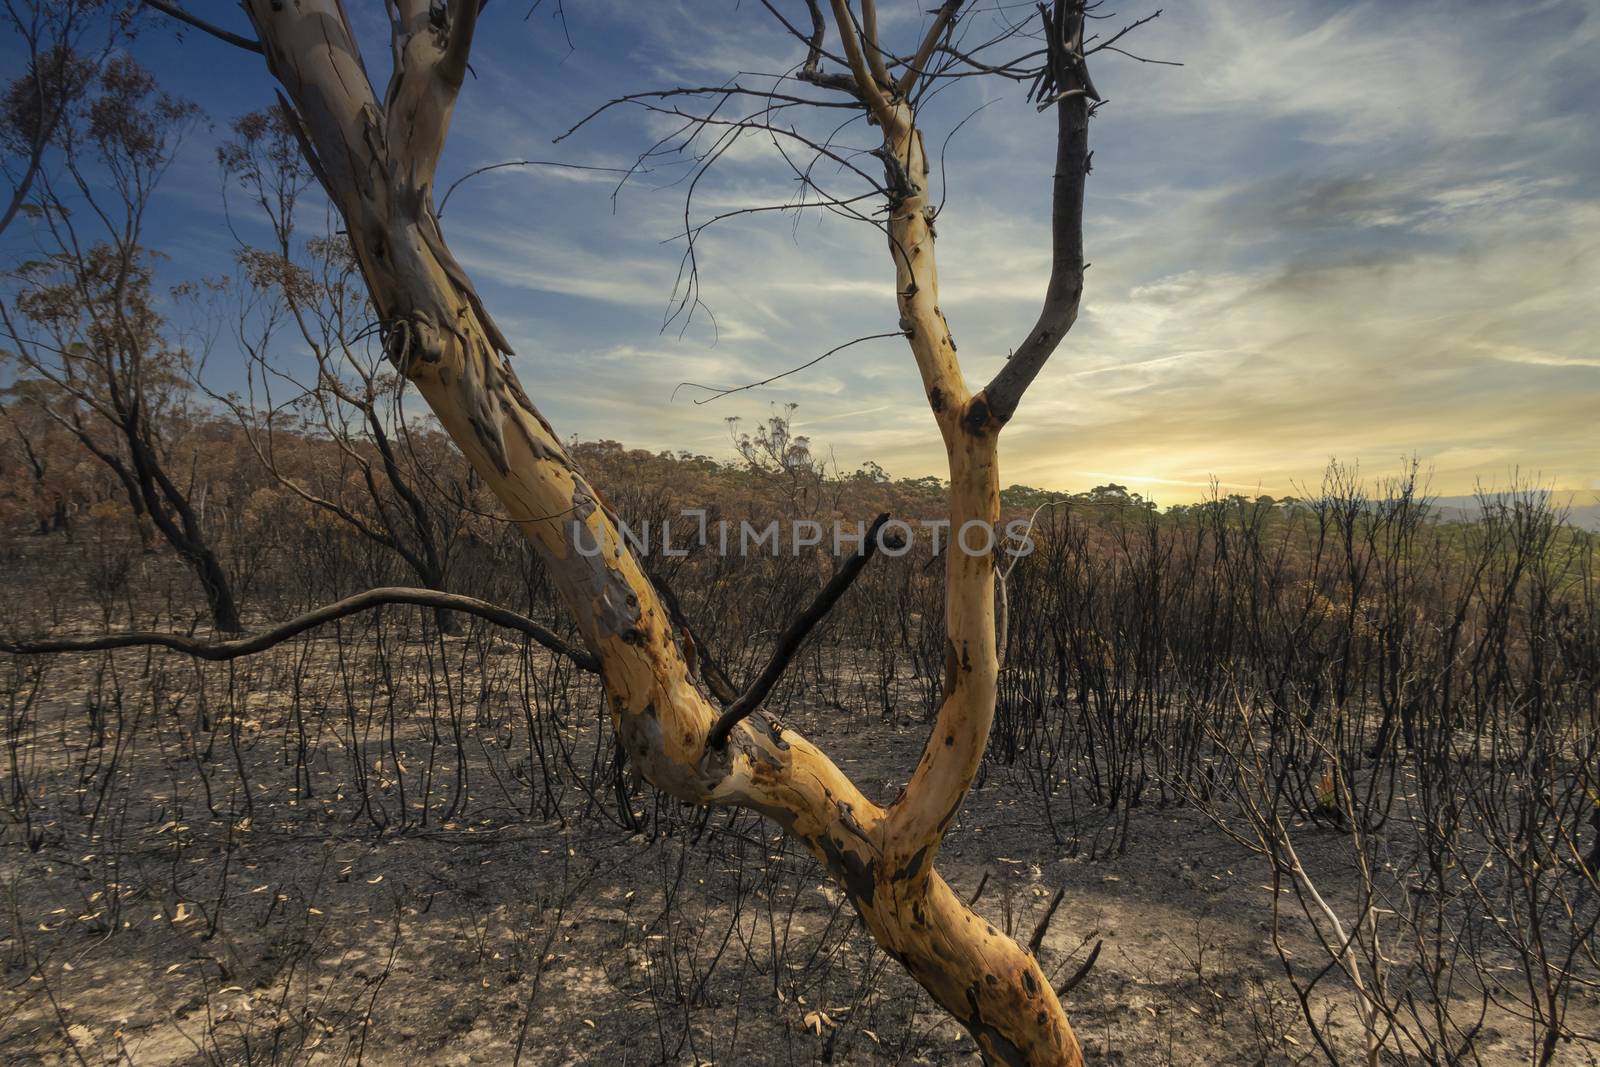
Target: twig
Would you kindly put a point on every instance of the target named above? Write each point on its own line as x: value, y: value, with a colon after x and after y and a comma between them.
x: 1040, y: 930
x: 718, y: 393
x: 1081, y: 973
x: 445, y: 199
x: 166, y: 7
x: 978, y: 892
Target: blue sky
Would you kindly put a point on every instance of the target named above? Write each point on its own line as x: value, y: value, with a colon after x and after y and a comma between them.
x: 1357, y: 230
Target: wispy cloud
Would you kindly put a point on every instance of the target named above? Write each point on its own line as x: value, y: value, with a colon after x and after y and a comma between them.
x: 1366, y: 230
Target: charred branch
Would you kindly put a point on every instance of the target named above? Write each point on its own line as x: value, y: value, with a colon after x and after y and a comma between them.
x: 1064, y: 83
x: 793, y: 637
x: 1082, y: 972
x: 217, y: 651
x: 716, y: 678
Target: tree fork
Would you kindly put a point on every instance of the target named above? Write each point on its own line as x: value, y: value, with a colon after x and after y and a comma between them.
x: 376, y: 162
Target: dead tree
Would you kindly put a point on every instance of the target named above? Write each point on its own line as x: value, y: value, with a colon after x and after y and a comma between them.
x: 85, y: 318
x: 311, y: 291
x: 375, y: 156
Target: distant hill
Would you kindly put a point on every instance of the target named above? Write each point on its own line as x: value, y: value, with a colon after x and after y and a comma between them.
x: 1582, y: 506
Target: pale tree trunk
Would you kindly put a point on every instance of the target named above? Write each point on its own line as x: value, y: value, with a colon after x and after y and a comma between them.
x: 980, y: 975
x: 376, y: 161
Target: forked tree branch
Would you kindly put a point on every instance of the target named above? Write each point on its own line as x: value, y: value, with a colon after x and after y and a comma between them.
x: 793, y: 637
x: 245, y: 646
x: 379, y: 160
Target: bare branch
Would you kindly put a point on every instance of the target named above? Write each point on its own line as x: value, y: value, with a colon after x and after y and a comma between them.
x: 351, y: 605
x: 1082, y: 972
x: 1120, y: 34
x: 919, y: 62
x: 869, y: 37
x: 1043, y: 927
x: 793, y: 637
x: 730, y: 90
x: 167, y: 7
x: 1141, y: 59
x: 978, y: 892
x: 445, y: 199
x: 1064, y: 79
x: 871, y: 92
x: 718, y: 394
